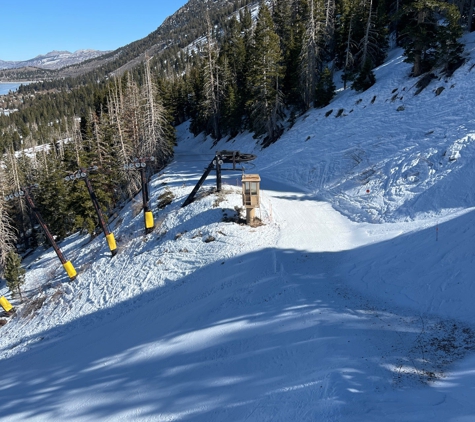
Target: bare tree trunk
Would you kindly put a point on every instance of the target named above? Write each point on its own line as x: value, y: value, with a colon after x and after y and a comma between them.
x: 77, y: 142
x: 132, y: 115
x: 115, y: 107
x: 13, y: 180
x: 309, y: 56
x: 366, y: 37
x: 212, y: 88
x: 155, y: 143
x: 330, y: 27
x: 124, y: 149
x: 97, y: 137
x: 348, y: 51
x: 19, y: 292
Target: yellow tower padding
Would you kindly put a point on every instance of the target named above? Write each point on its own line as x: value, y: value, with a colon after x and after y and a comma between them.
x: 111, y: 242
x: 70, y: 269
x: 5, y: 304
x: 149, y: 220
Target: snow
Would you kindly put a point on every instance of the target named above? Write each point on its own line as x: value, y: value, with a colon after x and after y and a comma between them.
x: 352, y: 302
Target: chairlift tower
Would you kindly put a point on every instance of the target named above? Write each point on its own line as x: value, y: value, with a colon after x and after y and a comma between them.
x: 140, y: 164
x: 221, y: 157
x: 82, y: 174
x: 25, y: 193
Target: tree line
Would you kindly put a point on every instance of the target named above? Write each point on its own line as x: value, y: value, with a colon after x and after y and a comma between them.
x: 258, y: 76
x: 131, y: 122
x: 248, y: 72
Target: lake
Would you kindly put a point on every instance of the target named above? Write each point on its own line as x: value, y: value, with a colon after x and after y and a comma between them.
x: 5, y: 87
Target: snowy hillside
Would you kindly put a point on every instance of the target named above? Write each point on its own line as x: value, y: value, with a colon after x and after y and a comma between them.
x: 352, y: 302
x: 54, y: 59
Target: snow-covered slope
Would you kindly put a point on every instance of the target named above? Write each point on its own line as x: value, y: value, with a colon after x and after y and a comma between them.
x: 352, y: 302
x: 389, y: 141
x: 54, y: 59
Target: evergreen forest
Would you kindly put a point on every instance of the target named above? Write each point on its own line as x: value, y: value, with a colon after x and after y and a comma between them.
x: 236, y: 66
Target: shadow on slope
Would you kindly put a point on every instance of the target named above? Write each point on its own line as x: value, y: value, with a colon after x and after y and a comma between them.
x: 270, y: 335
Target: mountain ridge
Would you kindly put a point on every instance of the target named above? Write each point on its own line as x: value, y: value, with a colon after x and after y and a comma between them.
x: 176, y: 31
x: 54, y: 60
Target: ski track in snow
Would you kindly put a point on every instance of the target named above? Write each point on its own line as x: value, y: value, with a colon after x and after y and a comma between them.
x: 352, y: 302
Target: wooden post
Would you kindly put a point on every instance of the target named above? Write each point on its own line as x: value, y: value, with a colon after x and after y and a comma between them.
x: 250, y: 215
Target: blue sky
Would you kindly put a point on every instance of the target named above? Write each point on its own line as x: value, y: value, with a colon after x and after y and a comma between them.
x: 31, y: 27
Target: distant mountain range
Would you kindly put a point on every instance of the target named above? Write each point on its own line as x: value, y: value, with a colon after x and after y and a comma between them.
x: 54, y: 60
x: 176, y: 34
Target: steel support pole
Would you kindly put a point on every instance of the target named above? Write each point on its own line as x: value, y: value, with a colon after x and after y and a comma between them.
x: 218, y: 173
x: 109, y: 237
x: 145, y: 197
x: 66, y: 264
x: 147, y: 213
x: 198, y: 185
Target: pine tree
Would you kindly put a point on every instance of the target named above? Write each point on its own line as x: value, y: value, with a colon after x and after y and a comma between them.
x: 348, y: 57
x: 52, y: 195
x: 205, y: 104
x: 210, y: 105
x: 78, y: 199
x: 310, y: 57
x: 7, y: 232
x: 372, y: 46
x: 232, y: 61
x: 14, y: 273
x: 365, y: 78
x: 449, y: 55
x: 282, y: 16
x: 360, y: 36
x: 247, y: 30
x: 232, y: 119
x: 195, y: 81
x: 95, y: 138
x: 290, y: 26
x: 427, y: 40
x: 325, y: 90
x: 178, y: 101
x: 265, y: 76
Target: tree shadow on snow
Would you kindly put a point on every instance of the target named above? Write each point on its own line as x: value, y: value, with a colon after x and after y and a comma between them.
x: 270, y: 335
